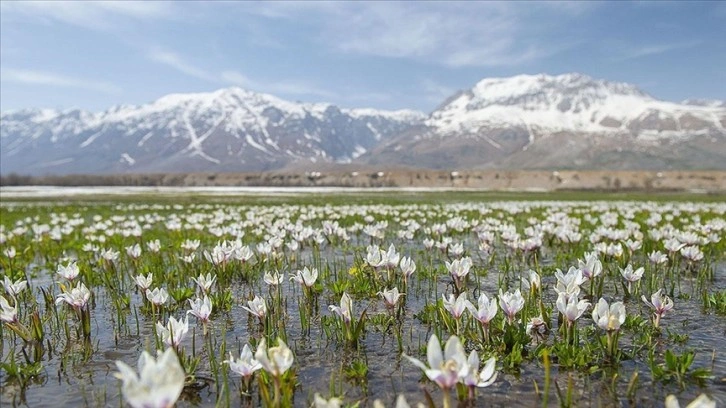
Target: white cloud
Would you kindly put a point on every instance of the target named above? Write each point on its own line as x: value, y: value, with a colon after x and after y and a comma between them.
x: 288, y: 87
x: 97, y: 15
x: 465, y: 34
x: 434, y: 91
x: 178, y: 63
x: 654, y: 49
x: 236, y: 78
x: 32, y: 77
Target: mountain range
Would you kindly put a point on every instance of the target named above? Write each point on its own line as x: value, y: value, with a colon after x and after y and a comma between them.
x: 569, y: 121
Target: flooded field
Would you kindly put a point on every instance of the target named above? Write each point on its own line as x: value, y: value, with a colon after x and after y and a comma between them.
x: 294, y: 302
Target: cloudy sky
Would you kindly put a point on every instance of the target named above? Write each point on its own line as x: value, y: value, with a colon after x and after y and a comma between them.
x: 93, y: 55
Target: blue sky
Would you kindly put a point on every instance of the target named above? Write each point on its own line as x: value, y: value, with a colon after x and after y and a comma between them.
x: 93, y: 55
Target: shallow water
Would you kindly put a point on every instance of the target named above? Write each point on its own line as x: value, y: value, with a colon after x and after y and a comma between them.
x: 77, y: 374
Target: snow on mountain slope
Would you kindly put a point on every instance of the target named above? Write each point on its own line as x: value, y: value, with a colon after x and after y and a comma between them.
x: 229, y: 129
x: 570, y: 102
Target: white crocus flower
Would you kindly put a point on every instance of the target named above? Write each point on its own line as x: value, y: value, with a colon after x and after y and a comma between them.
x: 174, y: 332
x: 158, y: 384
x: 273, y: 278
x: 408, y: 267
x: 657, y: 257
x: 306, y: 277
x: 591, y: 267
x: 78, y: 297
x: 660, y: 304
x: 456, y: 306
x: 14, y: 288
x: 69, y: 271
x: 133, y: 251
x: 570, y: 307
x: 511, y: 304
x: 245, y: 365
x: 8, y: 314
x: 320, y: 402
x: 390, y: 297
x: 445, y: 367
x: 345, y: 310
x: 570, y: 282
x: 158, y: 296
x: 609, y: 317
x: 205, y: 283
x: 257, y: 307
x: 275, y: 360
x: 144, y: 282
x: 201, y: 308
x: 486, y: 310
x: 459, y: 269
x: 703, y: 401
x: 476, y: 378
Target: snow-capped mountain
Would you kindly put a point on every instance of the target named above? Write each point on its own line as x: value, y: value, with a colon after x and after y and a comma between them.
x: 526, y: 121
x: 227, y: 130
x: 565, y: 121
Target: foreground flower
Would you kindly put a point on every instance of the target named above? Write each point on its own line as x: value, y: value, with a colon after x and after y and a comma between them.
x: 158, y: 296
x: 456, y: 306
x: 275, y: 360
x: 703, y: 401
x: 631, y: 276
x: 69, y: 271
x: 511, y: 304
x: 159, y: 383
x: 591, y: 267
x: 609, y: 317
x: 444, y: 366
x: 144, y: 282
x: 400, y: 403
x: 8, y: 314
x: 390, y: 297
x: 408, y: 267
x: 474, y: 378
x: 205, y: 282
x: 657, y: 257
x: 174, y: 332
x: 257, y: 307
x: 570, y: 307
x: 273, y: 279
x: 320, y: 402
x: 306, y: 277
x: 201, y: 308
x: 78, y: 297
x: 570, y: 282
x: 245, y: 365
x: 14, y: 288
x: 459, y: 269
x: 484, y: 313
x: 532, y: 283
x: 345, y: 310
x: 660, y: 304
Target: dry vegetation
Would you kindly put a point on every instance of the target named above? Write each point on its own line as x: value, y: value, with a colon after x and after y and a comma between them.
x: 704, y: 181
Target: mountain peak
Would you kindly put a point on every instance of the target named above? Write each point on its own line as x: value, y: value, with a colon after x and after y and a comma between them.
x: 513, y: 89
